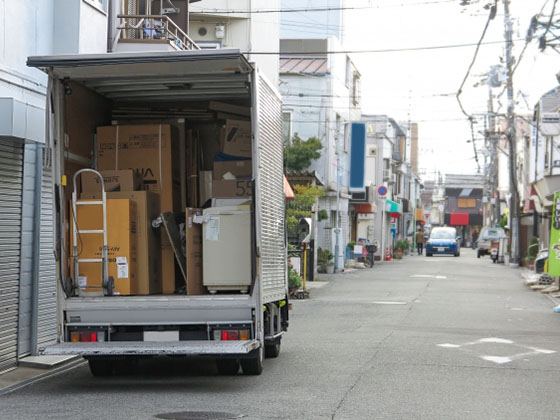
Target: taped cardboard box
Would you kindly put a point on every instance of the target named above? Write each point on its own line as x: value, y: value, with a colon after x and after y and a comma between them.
x: 232, y: 189
x: 150, y: 150
x: 240, y: 169
x: 236, y: 138
x: 123, y: 180
x: 193, y: 236
x: 153, y: 151
x: 121, y: 241
x: 148, y: 249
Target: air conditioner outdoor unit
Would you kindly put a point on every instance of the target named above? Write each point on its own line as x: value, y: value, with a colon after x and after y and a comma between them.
x: 386, y: 174
x: 360, y: 196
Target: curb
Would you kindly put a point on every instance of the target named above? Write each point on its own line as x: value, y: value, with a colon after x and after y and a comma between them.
x: 55, y: 371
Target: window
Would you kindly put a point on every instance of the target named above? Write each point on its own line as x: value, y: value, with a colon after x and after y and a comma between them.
x: 348, y: 78
x: 287, y: 126
x: 466, y: 203
x: 209, y: 45
x: 356, y: 89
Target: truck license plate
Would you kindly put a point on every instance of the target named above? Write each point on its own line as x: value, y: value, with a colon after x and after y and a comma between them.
x: 161, y: 336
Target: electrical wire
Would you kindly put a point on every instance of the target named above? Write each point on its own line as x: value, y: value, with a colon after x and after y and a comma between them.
x: 386, y: 50
x: 313, y: 9
x: 491, y: 16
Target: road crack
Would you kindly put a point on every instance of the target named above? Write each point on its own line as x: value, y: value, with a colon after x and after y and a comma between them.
x: 360, y: 376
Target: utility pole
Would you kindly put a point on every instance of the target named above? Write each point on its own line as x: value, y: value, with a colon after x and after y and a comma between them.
x: 493, y: 170
x: 511, y: 137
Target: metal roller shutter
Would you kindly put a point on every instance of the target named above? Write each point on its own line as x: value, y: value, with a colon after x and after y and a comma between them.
x: 11, y: 182
x: 271, y: 185
x: 46, y: 325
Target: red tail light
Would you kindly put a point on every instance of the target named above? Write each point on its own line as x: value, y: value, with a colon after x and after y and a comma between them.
x: 230, y: 335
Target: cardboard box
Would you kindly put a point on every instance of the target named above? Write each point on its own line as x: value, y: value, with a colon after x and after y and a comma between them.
x: 236, y: 138
x: 193, y: 236
x: 150, y: 150
x: 234, y: 189
x: 121, y: 241
x: 168, y: 268
x: 205, y: 186
x: 125, y: 180
x: 241, y: 169
x: 148, y: 249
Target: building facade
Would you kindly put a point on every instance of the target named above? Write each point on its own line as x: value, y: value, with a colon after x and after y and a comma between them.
x: 27, y: 265
x: 321, y: 98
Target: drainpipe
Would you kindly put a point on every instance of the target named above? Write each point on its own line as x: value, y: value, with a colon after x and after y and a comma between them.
x: 36, y: 253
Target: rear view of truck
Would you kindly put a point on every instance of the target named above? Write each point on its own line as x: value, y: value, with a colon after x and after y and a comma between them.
x: 170, y: 208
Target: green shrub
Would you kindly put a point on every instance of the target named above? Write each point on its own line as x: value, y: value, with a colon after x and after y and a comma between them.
x: 294, y: 279
x: 533, y: 248
x: 322, y: 215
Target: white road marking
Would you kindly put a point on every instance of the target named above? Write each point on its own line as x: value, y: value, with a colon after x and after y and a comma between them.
x: 389, y: 303
x: 427, y: 276
x: 517, y: 309
x: 543, y: 351
x: 468, y: 347
x: 496, y: 359
x: 495, y: 340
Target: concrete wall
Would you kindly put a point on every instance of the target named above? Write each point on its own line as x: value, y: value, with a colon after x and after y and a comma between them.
x: 246, y: 31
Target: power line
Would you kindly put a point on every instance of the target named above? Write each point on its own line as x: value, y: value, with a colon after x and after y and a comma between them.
x: 491, y: 16
x: 319, y: 53
x: 313, y: 9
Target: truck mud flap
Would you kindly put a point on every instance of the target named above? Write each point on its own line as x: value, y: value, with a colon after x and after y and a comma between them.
x: 149, y: 348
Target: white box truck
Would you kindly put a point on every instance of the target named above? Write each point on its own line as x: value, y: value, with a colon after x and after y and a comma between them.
x: 198, y: 89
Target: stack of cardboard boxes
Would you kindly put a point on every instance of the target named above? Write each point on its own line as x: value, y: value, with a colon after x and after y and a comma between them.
x: 142, y: 177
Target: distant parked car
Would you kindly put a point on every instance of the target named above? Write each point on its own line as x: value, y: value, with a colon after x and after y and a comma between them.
x: 443, y: 240
x: 489, y: 238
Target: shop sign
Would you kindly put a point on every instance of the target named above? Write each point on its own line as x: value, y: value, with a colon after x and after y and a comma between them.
x: 554, y: 253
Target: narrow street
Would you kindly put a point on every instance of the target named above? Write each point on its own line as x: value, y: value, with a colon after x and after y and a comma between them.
x: 422, y: 338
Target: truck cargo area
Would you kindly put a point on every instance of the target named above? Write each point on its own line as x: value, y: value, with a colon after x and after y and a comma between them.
x: 186, y: 247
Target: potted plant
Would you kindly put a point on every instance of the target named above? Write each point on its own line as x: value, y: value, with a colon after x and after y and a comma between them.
x: 400, y: 247
x: 350, y: 250
x: 322, y: 260
x: 294, y: 280
x: 330, y: 262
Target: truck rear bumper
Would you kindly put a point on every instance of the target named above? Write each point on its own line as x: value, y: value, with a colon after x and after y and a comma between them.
x: 152, y: 348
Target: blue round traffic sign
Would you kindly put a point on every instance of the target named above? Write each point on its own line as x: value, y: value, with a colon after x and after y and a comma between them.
x: 382, y: 190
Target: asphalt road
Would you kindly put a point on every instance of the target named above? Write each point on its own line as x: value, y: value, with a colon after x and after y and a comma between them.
x: 423, y: 338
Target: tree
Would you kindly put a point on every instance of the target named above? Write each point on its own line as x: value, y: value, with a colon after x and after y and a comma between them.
x: 299, y: 153
x: 302, y: 204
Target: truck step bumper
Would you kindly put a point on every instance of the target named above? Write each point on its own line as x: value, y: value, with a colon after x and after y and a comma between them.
x: 152, y: 348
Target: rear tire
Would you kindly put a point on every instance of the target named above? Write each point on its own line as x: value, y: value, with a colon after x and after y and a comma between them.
x: 101, y: 367
x: 478, y: 254
x: 253, y: 365
x: 227, y: 366
x: 272, y: 351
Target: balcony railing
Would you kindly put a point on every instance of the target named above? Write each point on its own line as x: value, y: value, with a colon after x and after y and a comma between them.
x: 154, y: 28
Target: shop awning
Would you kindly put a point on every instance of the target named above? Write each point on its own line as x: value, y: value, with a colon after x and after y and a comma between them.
x: 459, y: 219
x: 288, y: 191
x: 364, y: 208
x: 395, y: 209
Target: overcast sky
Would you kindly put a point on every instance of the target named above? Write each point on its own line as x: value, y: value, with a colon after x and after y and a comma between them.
x: 421, y: 85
